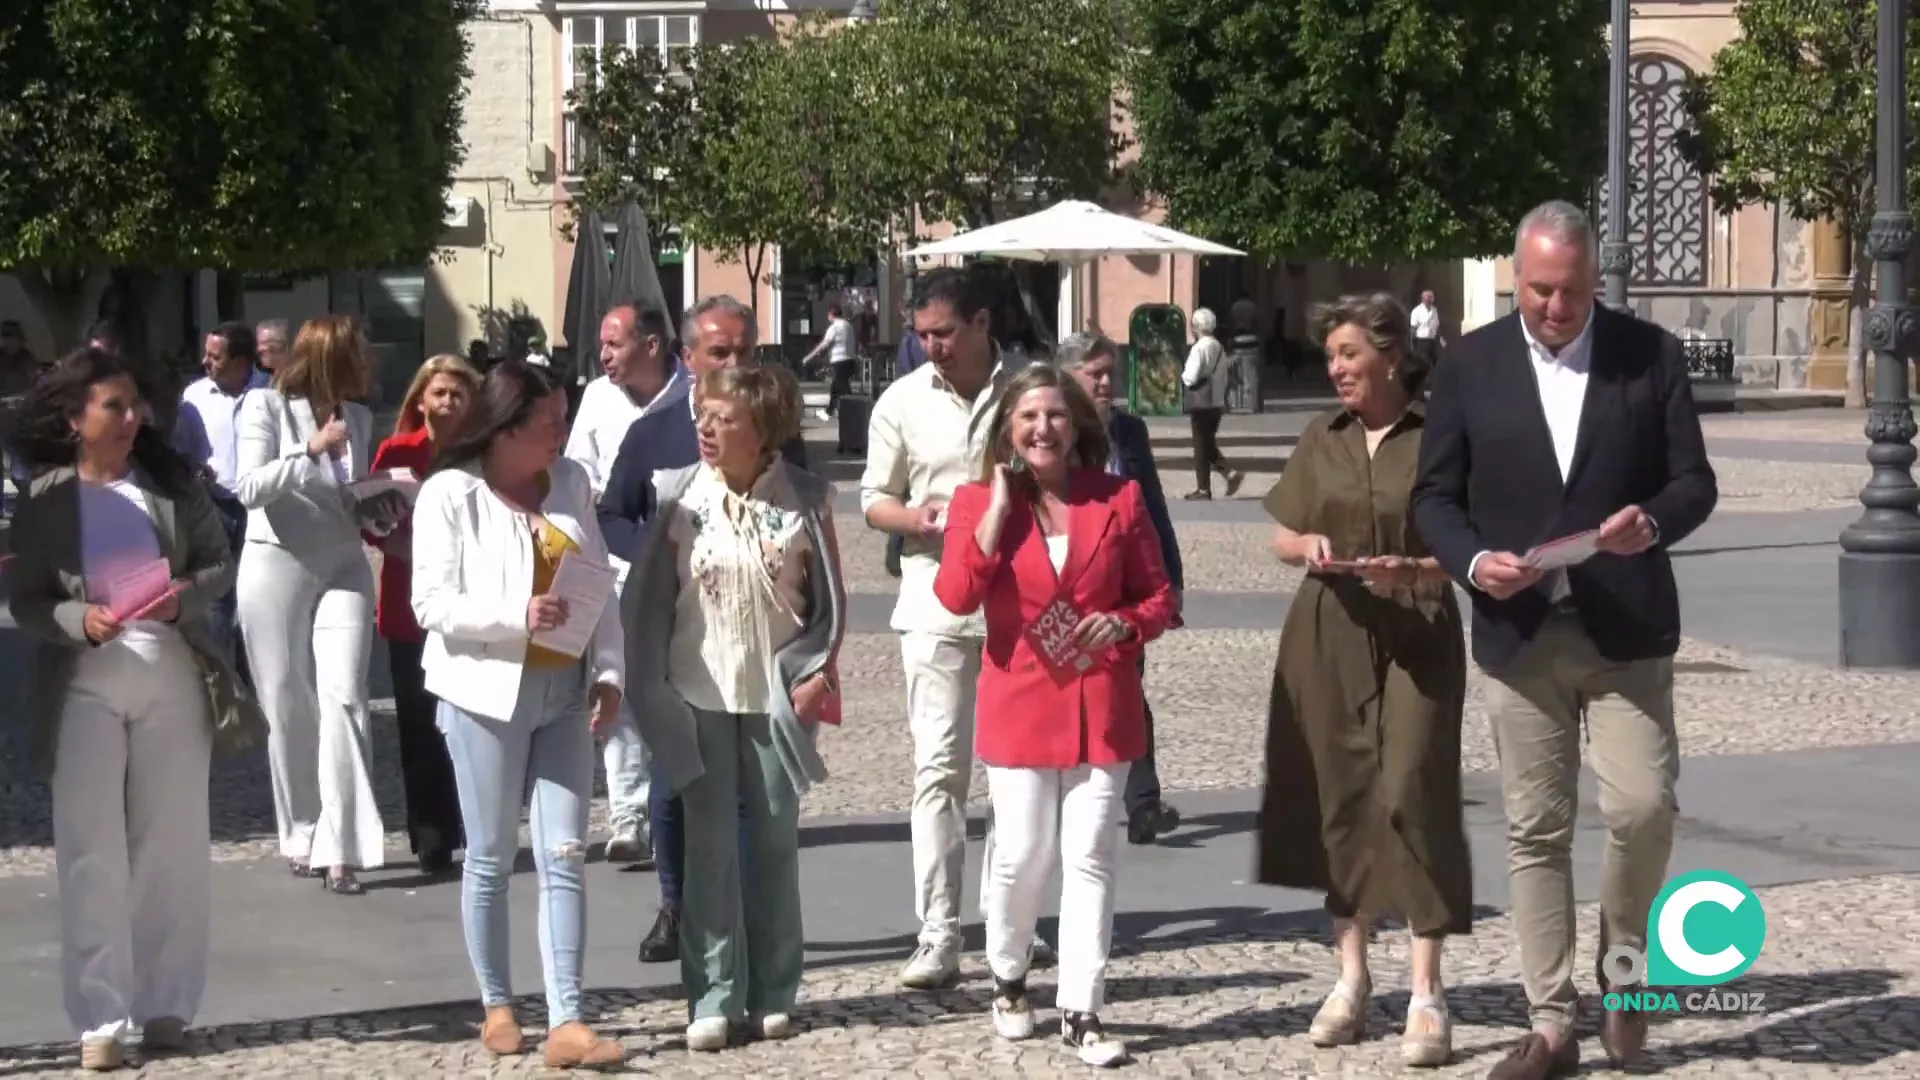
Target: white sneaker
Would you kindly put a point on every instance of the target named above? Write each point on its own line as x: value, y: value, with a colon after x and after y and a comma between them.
x: 707, y: 1034
x: 823, y: 414
x: 1012, y: 1011
x: 932, y: 967
x: 629, y: 843
x: 1090, y: 1041
x: 775, y: 1027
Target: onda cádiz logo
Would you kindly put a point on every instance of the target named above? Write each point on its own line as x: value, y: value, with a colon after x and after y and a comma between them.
x: 1706, y: 929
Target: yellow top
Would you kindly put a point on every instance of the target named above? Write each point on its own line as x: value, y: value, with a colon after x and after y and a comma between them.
x: 550, y: 545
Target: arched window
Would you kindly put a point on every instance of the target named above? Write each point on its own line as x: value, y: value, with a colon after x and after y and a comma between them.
x: 1667, y: 209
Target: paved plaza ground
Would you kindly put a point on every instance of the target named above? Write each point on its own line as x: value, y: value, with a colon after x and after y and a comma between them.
x: 1797, y: 777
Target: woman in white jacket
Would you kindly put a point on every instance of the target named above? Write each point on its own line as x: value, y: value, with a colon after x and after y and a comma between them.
x: 305, y: 599
x: 495, y: 523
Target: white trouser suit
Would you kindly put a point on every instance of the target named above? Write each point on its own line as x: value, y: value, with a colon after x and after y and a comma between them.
x: 306, y: 598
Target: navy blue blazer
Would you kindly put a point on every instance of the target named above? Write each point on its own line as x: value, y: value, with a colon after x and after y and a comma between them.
x: 663, y: 439
x: 1133, y: 452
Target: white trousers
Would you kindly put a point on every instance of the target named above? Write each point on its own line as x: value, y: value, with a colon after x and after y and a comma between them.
x: 1044, y: 817
x: 130, y: 841
x: 942, y: 676
x: 625, y: 756
x: 307, y: 621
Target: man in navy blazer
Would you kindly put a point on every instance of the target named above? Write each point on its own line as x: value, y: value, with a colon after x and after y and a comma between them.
x: 1092, y: 359
x: 718, y: 332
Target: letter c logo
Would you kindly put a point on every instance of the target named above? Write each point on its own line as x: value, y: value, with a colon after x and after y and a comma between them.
x: 1672, y: 928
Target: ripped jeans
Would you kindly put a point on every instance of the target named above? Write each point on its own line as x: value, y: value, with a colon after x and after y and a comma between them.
x: 543, y: 752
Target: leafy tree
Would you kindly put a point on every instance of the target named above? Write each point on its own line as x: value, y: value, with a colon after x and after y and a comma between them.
x: 785, y: 151
x: 997, y: 108
x: 637, y: 118
x: 246, y: 134
x: 1367, y: 131
x: 1787, y: 117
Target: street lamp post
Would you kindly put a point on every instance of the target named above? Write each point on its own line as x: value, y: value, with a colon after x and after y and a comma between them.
x: 1880, y: 553
x: 1616, y: 258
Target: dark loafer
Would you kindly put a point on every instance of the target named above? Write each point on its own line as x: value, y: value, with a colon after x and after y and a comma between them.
x: 1537, y: 1059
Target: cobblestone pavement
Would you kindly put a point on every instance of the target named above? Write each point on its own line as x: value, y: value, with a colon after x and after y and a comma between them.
x: 1846, y: 426
x: 1842, y: 998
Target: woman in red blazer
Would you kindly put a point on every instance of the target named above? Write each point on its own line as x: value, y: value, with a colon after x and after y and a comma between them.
x: 433, y: 406
x: 1065, y: 562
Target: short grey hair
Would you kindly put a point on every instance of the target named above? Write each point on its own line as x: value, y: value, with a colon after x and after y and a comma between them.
x: 1558, y: 220
x: 1205, y: 322
x: 725, y: 305
x: 1081, y: 349
x: 274, y: 326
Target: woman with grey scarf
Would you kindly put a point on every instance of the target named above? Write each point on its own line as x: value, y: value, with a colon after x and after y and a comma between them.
x: 735, y: 612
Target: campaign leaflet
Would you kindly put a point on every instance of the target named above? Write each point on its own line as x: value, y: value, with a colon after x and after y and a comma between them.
x: 1051, y: 638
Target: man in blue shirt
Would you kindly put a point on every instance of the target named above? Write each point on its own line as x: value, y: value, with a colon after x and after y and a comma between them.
x: 718, y: 332
x: 1092, y: 359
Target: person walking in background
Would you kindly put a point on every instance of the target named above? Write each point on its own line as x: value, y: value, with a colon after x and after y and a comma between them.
x: 272, y: 339
x: 1362, y: 800
x: 925, y: 440
x: 18, y: 366
x: 842, y: 354
x: 1426, y: 330
x: 1092, y: 359
x: 641, y: 378
x: 207, y: 432
x: 430, y: 414
x: 1049, y: 524
x: 306, y: 600
x: 738, y: 608
x: 130, y: 701
x: 494, y: 525
x: 719, y: 333
x: 1205, y: 378
x: 1559, y: 418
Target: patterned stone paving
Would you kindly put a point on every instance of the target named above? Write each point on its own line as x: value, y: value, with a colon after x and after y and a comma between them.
x: 1842, y: 998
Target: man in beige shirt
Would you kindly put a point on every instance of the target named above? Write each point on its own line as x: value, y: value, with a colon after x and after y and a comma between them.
x: 926, y: 438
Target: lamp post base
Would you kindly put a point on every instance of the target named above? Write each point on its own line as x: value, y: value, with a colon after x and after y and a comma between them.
x: 1880, y: 611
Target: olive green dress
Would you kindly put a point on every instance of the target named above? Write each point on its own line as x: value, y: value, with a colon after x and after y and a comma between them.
x: 1363, y: 733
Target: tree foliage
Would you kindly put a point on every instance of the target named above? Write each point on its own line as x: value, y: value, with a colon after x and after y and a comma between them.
x: 1369, y: 131
x: 997, y: 108
x: 285, y: 135
x: 637, y: 118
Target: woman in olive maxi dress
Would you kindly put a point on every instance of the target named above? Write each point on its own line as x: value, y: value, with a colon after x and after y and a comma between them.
x: 1363, y: 797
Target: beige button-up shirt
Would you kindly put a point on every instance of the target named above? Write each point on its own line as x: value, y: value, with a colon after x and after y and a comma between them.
x: 924, y: 441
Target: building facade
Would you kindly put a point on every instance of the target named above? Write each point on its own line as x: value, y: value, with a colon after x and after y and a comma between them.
x: 1774, y: 286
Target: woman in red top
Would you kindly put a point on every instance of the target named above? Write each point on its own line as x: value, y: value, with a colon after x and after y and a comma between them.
x: 1065, y: 562
x: 434, y: 404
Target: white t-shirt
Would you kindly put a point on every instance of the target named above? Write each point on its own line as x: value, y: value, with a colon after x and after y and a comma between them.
x: 116, y: 537
x: 1426, y: 322
x: 839, y: 339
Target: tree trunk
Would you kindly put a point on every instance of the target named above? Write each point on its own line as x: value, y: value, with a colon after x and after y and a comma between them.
x: 67, y: 300
x: 1860, y: 296
x: 754, y: 258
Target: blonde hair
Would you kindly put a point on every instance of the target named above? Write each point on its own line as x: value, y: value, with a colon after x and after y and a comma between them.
x: 1091, y: 446
x: 328, y: 362
x: 770, y: 395
x: 410, y: 420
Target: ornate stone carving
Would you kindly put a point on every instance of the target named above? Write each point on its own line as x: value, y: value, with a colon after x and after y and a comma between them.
x: 1890, y: 236
x: 1891, y: 422
x: 1893, y: 329
x: 1667, y: 211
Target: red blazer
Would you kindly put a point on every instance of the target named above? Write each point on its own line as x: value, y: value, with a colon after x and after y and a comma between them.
x: 1023, y: 717
x: 394, y: 617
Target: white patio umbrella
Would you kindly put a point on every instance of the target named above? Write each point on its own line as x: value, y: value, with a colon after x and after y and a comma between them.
x: 1071, y: 234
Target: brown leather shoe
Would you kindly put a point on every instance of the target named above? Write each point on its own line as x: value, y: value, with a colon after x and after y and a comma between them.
x: 501, y: 1033
x: 1537, y: 1059
x: 574, y: 1045
x: 1623, y: 1035
x: 163, y: 1035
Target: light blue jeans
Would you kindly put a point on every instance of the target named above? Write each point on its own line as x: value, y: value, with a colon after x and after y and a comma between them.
x: 545, y: 752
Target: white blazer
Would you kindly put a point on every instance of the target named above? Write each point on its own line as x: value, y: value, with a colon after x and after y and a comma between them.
x: 297, y: 502
x: 473, y: 578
